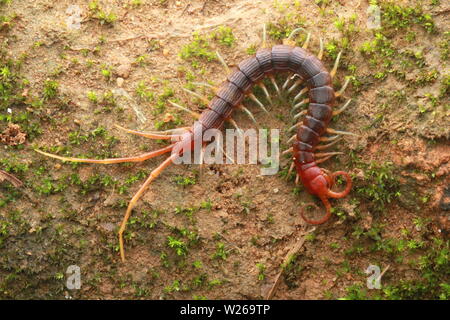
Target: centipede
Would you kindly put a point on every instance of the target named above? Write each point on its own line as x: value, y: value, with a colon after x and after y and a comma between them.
x: 312, y: 133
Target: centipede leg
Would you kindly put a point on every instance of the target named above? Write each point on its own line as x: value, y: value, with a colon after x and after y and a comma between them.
x: 295, y: 126
x: 295, y: 85
x: 301, y: 113
x: 336, y: 64
x: 264, y: 37
x: 298, y: 105
x: 155, y: 173
x: 332, y: 138
x: 288, y: 81
x: 204, y: 84
x: 266, y: 92
x: 341, y: 91
x: 249, y: 113
x: 322, y: 160
x: 259, y: 103
x: 325, y: 146
x: 138, y: 158
x: 272, y: 79
x: 291, y: 167
x: 292, y: 138
x: 194, y: 114
x: 222, y: 61
x: 342, y: 109
x: 199, y: 96
x: 330, y: 130
x: 301, y: 92
x: 326, y: 154
x: 308, y: 38
x: 290, y: 150
x: 235, y: 125
x: 320, y: 55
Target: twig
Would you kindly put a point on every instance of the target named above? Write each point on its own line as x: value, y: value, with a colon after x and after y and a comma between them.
x: 291, y: 253
x: 7, y: 176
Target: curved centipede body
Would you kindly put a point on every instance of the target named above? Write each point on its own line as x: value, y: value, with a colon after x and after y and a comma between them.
x: 239, y: 84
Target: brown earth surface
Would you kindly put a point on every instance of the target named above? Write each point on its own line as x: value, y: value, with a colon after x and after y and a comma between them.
x: 237, y: 226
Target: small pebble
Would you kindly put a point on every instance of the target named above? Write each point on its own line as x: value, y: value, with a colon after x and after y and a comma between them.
x: 120, y: 82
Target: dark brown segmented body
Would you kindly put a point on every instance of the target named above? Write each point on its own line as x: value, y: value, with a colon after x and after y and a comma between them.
x: 268, y: 61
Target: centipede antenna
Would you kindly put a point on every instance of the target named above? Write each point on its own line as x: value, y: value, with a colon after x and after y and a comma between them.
x: 336, y: 64
x: 266, y: 92
x: 342, y: 109
x: 192, y: 113
x: 302, y: 92
x: 326, y: 154
x: 332, y: 138
x: 291, y: 139
x: 330, y: 130
x: 325, y: 146
x: 295, y: 126
x: 147, y: 134
x: 306, y: 44
x: 341, y: 91
x: 139, y: 158
x: 249, y: 113
x: 222, y: 61
x: 287, y: 151
x: 272, y: 79
x: 259, y: 103
x: 202, y: 98
x: 298, y: 105
x: 291, y: 167
x: 153, y: 175
x: 320, y: 55
x: 297, y: 179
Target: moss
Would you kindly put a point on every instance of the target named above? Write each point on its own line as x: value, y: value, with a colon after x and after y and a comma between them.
x: 401, y: 17
x: 224, y: 35
x: 379, y: 186
x: 197, y: 50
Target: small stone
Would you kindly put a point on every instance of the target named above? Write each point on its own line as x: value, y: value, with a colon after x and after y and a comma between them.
x: 166, y: 52
x: 123, y: 70
x: 276, y: 190
x: 120, y: 82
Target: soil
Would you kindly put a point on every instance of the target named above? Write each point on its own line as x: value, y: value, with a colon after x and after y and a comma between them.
x: 255, y: 218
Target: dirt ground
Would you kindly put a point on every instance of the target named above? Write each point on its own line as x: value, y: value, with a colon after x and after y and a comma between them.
x: 71, y: 70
